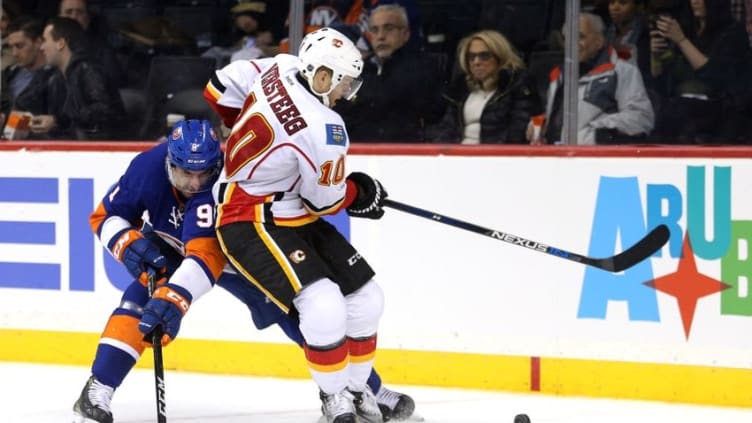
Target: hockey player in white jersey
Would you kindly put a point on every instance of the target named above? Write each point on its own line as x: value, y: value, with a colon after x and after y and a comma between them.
x: 228, y: 87
x: 284, y: 168
x: 226, y: 92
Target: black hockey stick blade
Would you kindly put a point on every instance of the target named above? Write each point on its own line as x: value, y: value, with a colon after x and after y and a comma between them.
x: 644, y: 248
x: 156, y: 343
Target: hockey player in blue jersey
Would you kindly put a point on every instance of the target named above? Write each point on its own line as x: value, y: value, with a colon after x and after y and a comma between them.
x: 170, y: 183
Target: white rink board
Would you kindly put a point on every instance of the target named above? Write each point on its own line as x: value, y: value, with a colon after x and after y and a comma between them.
x: 446, y: 289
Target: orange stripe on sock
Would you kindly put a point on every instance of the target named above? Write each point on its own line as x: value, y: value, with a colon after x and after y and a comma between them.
x: 362, y: 358
x: 327, y: 360
x: 124, y: 329
x: 332, y: 368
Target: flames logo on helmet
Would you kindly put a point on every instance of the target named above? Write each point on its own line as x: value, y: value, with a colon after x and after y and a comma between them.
x: 331, y: 49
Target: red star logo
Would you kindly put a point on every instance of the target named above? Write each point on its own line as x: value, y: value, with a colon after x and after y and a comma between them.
x: 687, y: 285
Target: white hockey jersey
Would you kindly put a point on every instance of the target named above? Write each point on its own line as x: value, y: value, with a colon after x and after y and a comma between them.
x: 285, y: 156
x: 228, y: 88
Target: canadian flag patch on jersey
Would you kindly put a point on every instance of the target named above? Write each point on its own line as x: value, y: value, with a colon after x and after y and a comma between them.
x: 335, y: 134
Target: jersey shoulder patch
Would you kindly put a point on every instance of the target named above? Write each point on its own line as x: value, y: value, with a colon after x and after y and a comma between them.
x: 335, y: 134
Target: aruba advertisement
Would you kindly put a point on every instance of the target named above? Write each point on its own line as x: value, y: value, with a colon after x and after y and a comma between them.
x: 702, y: 228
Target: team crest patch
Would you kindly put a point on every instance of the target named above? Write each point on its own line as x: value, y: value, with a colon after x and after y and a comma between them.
x: 297, y: 256
x: 335, y: 134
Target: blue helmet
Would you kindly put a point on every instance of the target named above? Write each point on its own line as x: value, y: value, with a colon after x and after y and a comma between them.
x: 193, y: 146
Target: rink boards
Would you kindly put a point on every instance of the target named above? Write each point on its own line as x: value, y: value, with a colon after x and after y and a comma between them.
x: 461, y: 309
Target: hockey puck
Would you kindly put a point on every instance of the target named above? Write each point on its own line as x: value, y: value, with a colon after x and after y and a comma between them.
x: 521, y: 418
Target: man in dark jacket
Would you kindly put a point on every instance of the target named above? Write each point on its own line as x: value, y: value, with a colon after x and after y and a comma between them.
x: 92, y: 108
x: 97, y: 35
x: 29, y: 84
x: 401, y: 90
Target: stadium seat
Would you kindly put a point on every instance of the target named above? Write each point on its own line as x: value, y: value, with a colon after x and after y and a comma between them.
x: 540, y: 65
x: 135, y: 111
x: 168, y: 76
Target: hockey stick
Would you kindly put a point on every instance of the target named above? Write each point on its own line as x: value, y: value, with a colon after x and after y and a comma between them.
x: 641, y: 250
x: 156, y: 343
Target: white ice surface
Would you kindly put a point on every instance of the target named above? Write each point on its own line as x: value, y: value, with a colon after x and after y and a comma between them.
x: 45, y: 394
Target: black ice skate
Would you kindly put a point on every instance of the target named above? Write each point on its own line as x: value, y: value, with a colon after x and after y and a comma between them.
x: 337, y: 408
x: 395, y: 405
x: 93, y: 406
x: 366, y: 407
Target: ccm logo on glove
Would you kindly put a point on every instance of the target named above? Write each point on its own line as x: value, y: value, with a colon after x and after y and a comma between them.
x: 166, y: 309
x: 124, y: 241
x: 139, y: 254
x: 168, y: 294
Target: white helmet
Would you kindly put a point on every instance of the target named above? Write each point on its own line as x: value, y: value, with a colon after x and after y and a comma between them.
x: 332, y: 49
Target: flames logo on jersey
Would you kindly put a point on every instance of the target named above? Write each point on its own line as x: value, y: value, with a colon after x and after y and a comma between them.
x: 297, y: 256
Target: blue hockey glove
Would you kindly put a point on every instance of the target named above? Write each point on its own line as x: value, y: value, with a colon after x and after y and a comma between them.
x: 165, y: 308
x: 139, y: 254
x: 369, y: 201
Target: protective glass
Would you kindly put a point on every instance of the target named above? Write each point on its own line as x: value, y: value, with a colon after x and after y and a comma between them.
x: 349, y: 87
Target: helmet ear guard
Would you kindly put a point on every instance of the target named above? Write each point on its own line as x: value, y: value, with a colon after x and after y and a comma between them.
x: 331, y: 49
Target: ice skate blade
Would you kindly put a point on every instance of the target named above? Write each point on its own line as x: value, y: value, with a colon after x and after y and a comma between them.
x: 77, y: 418
x: 413, y: 418
x: 361, y: 419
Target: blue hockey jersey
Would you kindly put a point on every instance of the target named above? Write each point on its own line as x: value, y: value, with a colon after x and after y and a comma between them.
x: 145, y: 196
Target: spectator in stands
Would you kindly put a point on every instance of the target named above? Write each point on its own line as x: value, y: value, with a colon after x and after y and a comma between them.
x: 598, y: 7
x: 29, y: 85
x: 256, y: 40
x: 613, y: 104
x: 629, y: 33
x: 493, y: 99
x: 402, y: 86
x: 321, y: 13
x: 92, y: 108
x: 699, y: 74
x: 250, y: 38
x: 348, y: 15
x: 10, y: 12
x: 97, y: 36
